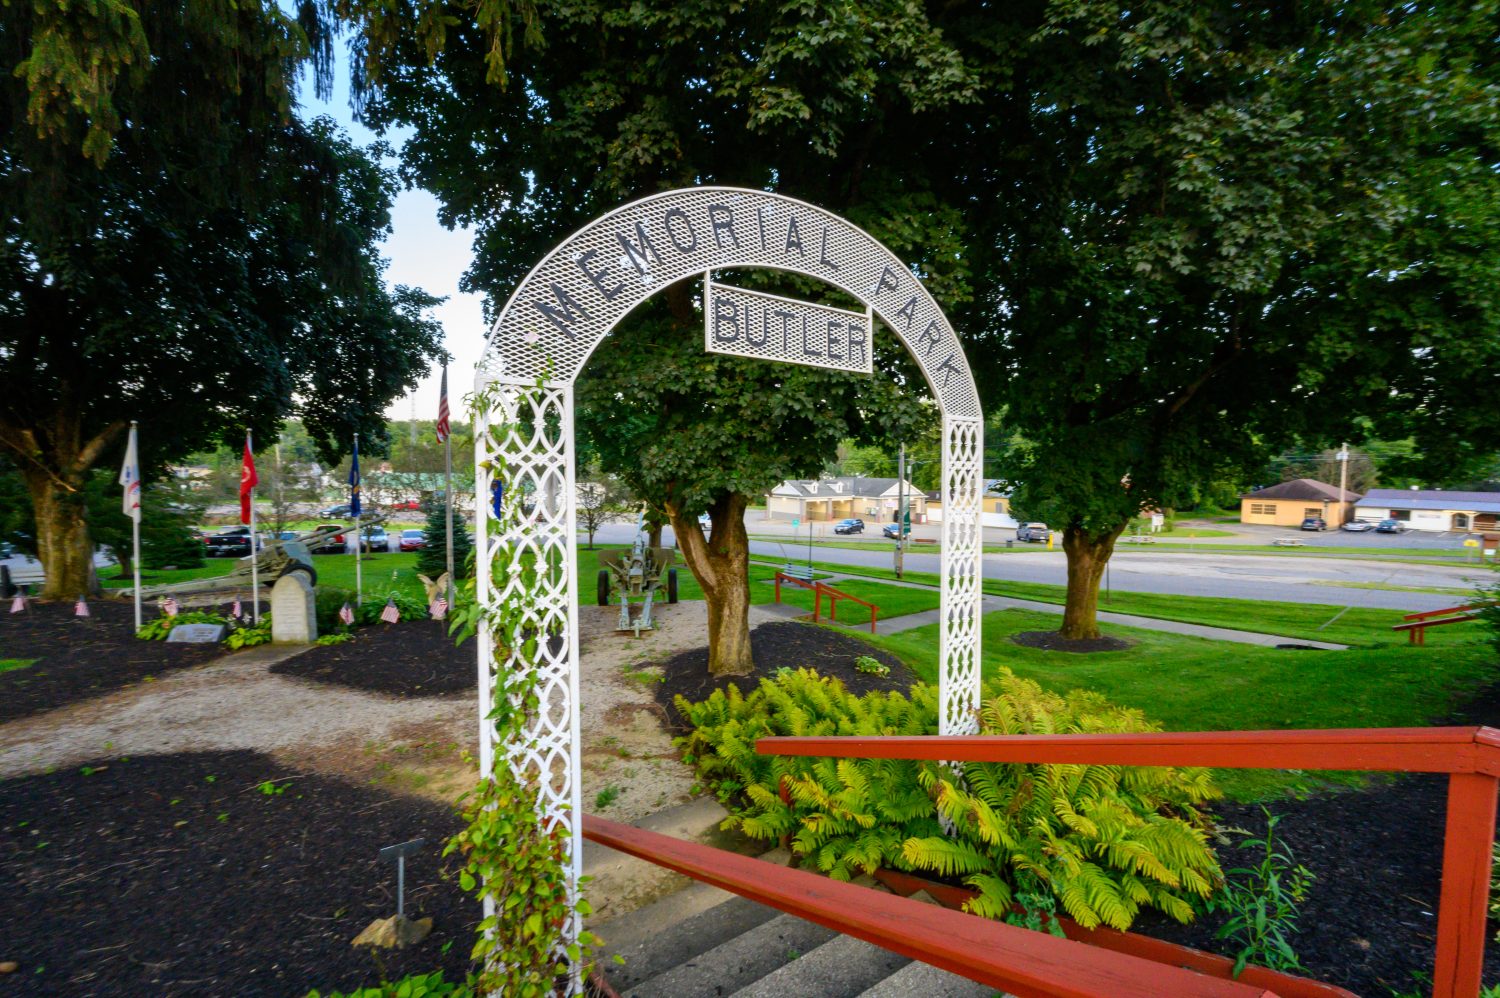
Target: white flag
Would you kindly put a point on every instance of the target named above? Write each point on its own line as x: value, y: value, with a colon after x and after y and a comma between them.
x: 130, y: 481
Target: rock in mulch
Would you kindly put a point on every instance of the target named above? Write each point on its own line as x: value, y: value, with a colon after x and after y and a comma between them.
x: 79, y: 658
x: 1052, y: 641
x: 215, y: 873
x: 789, y: 644
x: 415, y: 658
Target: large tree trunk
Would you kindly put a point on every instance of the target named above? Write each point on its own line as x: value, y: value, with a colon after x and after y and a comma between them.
x: 721, y: 564
x: 62, y: 536
x: 1088, y: 554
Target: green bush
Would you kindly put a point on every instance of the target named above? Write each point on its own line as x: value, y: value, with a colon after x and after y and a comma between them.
x: 327, y: 602
x: 249, y: 637
x: 161, y: 628
x: 1104, y: 841
x: 414, y: 986
x: 370, y: 610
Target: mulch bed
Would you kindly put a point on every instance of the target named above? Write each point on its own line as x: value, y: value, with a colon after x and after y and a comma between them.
x: 177, y: 875
x: 1052, y: 641
x: 83, y: 657
x: 774, y: 645
x: 415, y: 658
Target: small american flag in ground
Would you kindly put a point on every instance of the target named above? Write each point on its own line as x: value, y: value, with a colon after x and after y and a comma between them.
x: 235, y: 611
x: 439, y: 608
x: 390, y: 614
x: 346, y: 615
x: 80, y: 609
x: 18, y: 604
x: 169, y: 607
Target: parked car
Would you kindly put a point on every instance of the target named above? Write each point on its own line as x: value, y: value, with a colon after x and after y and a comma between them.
x: 1314, y: 523
x: 342, y: 509
x: 705, y: 521
x: 231, y: 543
x: 332, y: 545
x: 1358, y: 526
x: 375, y: 539
x: 890, y: 531
x: 1035, y: 533
x: 852, y: 525
x: 1391, y: 527
x: 408, y: 504
x: 413, y: 540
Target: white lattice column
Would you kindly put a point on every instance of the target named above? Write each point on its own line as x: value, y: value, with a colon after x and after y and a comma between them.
x: 963, y: 544
x: 527, y: 569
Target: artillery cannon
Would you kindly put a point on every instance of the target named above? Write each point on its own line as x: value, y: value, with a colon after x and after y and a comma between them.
x: 275, y: 559
x: 637, y: 575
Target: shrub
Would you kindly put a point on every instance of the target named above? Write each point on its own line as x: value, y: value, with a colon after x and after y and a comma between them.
x: 335, y: 639
x: 1263, y: 902
x: 249, y: 637
x: 327, y: 602
x: 369, y: 611
x: 1104, y: 841
x: 432, y: 560
x: 873, y: 666
x: 161, y: 628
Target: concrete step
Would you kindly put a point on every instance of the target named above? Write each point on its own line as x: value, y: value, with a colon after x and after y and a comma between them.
x: 843, y: 967
x: 732, y: 965
x: 920, y: 980
x: 673, y: 931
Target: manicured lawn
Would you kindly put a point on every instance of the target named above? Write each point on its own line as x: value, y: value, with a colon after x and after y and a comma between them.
x: 12, y: 664
x: 1192, y: 684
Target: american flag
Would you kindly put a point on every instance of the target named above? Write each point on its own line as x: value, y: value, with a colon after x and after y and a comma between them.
x: 390, y: 614
x: 346, y: 615
x: 80, y: 609
x: 18, y: 604
x: 439, y: 608
x: 442, y: 421
x: 169, y: 607
x: 235, y: 610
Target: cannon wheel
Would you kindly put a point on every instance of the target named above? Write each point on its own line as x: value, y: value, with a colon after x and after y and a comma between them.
x: 300, y: 566
x: 671, y: 585
x: 604, y: 587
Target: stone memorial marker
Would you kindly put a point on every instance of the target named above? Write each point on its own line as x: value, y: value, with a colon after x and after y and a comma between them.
x: 197, y: 634
x: 294, y: 617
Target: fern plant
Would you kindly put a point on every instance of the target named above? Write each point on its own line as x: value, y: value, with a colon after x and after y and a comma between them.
x: 1104, y: 841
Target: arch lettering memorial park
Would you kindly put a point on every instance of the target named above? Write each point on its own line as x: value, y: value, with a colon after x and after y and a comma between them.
x: 528, y: 594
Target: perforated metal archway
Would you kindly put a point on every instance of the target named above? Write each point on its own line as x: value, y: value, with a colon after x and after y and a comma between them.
x: 540, y: 343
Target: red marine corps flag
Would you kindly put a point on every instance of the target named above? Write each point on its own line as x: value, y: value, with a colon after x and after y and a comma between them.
x: 248, y: 481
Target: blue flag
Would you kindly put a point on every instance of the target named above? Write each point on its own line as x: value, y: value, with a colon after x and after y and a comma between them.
x: 354, y: 481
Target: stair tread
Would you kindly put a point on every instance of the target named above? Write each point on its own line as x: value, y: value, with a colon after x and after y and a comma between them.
x: 921, y: 980
x: 843, y: 967
x: 653, y: 942
x: 731, y: 965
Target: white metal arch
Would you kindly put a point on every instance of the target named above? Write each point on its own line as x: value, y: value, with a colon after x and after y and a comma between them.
x: 541, y: 341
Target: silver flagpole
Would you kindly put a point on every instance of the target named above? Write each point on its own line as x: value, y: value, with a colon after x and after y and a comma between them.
x: 358, y: 576
x: 448, y: 492
x: 135, y: 528
x: 254, y: 554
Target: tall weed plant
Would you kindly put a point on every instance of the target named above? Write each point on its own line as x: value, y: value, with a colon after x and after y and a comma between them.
x: 1104, y: 841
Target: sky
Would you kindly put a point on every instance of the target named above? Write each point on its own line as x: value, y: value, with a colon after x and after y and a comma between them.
x: 422, y: 254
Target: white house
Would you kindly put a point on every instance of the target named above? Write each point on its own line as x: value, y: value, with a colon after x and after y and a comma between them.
x: 870, y: 499
x: 1432, y: 509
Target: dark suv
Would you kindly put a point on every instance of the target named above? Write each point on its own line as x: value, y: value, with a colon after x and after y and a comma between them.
x: 850, y: 526
x: 231, y: 543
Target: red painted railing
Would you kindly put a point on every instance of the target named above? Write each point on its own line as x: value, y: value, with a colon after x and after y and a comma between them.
x: 1470, y: 757
x: 1416, y: 631
x: 819, y: 590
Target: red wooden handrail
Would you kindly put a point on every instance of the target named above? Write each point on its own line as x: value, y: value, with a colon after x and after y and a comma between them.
x: 1013, y: 959
x: 819, y: 590
x: 1423, y: 615
x: 1470, y: 757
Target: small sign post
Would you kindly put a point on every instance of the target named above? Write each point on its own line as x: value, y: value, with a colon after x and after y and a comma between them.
x: 399, y: 853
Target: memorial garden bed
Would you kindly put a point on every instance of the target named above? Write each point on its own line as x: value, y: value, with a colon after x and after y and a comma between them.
x: 79, y: 658
x: 411, y: 659
x: 215, y: 873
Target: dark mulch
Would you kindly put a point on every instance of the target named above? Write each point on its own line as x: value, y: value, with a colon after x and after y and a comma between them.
x: 414, y: 658
x: 1052, y: 641
x: 786, y: 643
x: 82, y: 657
x: 177, y: 875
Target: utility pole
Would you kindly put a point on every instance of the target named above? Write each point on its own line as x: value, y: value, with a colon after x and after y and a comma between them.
x: 900, y: 510
x: 1343, y: 479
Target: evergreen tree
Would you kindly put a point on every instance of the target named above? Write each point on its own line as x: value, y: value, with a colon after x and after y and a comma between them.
x: 432, y: 560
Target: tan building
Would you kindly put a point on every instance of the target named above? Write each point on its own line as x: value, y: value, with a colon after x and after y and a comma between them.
x: 873, y: 500
x: 1288, y: 504
x: 994, y: 506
